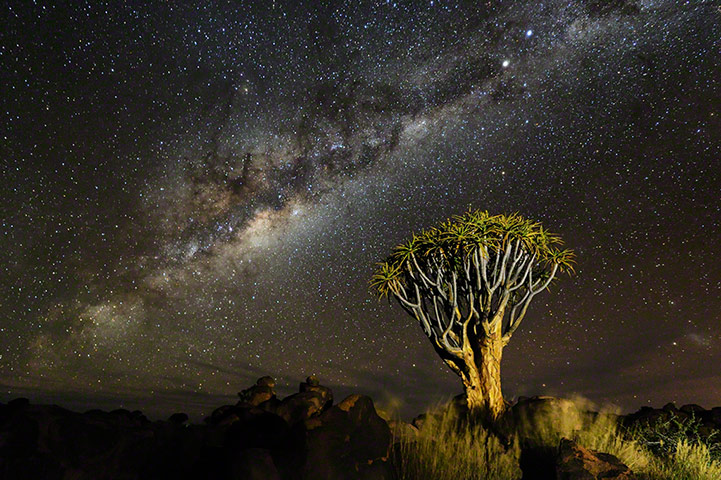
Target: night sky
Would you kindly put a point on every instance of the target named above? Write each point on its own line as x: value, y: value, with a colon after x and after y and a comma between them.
x: 195, y: 194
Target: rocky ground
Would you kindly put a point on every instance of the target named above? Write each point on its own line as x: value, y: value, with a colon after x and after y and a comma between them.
x: 302, y: 436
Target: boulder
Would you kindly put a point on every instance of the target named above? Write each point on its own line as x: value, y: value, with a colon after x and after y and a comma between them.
x: 220, y: 414
x: 270, y: 405
x: 18, y: 403
x: 254, y: 464
x: 178, y: 418
x: 577, y: 463
x: 266, y: 381
x: 348, y: 441
x: 715, y: 417
x: 302, y: 406
x: 312, y: 384
x: 257, y: 429
x: 693, y: 409
x: 262, y: 391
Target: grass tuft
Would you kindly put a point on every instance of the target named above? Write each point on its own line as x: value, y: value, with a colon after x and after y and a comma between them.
x: 450, y: 448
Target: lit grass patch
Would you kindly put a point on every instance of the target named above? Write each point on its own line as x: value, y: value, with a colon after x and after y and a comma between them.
x: 448, y: 447
x: 689, y: 461
x: 543, y: 426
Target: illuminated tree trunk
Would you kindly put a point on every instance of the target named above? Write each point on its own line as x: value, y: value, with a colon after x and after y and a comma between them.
x: 482, y: 376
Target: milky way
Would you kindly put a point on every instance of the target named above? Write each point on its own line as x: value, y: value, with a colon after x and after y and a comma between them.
x: 195, y: 196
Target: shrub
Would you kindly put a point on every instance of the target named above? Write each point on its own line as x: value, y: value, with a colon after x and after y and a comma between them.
x: 665, y: 434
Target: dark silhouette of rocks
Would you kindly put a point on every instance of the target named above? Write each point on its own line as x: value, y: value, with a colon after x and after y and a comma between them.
x: 178, y: 418
x: 303, y: 436
x: 577, y: 463
x: 709, y: 420
x: 348, y: 437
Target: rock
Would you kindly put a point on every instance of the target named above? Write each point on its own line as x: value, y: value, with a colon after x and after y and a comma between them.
x: 301, y: 406
x: 577, y: 463
x: 266, y: 381
x: 313, y: 385
x: 649, y: 416
x: 18, y: 403
x: 19, y: 435
x: 262, y: 391
x: 138, y: 415
x: 178, y: 418
x: 257, y: 429
x: 220, y: 413
x: 254, y: 464
x: 348, y: 441
x: 715, y: 417
x: 693, y: 409
x: 270, y: 405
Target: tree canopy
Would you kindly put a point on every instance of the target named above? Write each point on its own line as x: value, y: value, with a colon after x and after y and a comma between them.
x: 473, y: 270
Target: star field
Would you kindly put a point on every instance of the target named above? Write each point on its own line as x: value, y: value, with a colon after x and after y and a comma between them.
x: 196, y: 195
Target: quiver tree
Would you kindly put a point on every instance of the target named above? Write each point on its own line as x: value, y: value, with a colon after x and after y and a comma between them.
x: 469, y: 282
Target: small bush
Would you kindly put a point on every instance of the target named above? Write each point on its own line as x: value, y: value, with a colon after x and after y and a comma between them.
x: 665, y: 434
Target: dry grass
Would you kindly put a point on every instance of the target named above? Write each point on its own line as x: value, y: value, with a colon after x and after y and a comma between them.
x: 691, y: 461
x: 576, y: 419
x: 448, y: 448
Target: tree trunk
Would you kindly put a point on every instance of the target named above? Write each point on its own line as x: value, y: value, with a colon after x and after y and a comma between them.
x: 482, y: 380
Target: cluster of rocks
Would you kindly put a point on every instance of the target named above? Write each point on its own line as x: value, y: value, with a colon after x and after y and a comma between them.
x: 709, y: 420
x: 302, y: 436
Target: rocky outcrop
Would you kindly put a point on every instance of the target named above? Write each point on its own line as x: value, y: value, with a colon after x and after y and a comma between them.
x: 262, y: 391
x: 312, y: 384
x: 348, y: 440
x: 577, y: 463
x: 709, y: 419
x: 301, y: 437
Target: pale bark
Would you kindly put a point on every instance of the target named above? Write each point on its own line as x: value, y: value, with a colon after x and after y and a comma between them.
x: 482, y: 379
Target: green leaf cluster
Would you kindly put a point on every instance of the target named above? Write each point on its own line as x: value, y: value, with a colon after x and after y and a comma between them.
x: 449, y: 243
